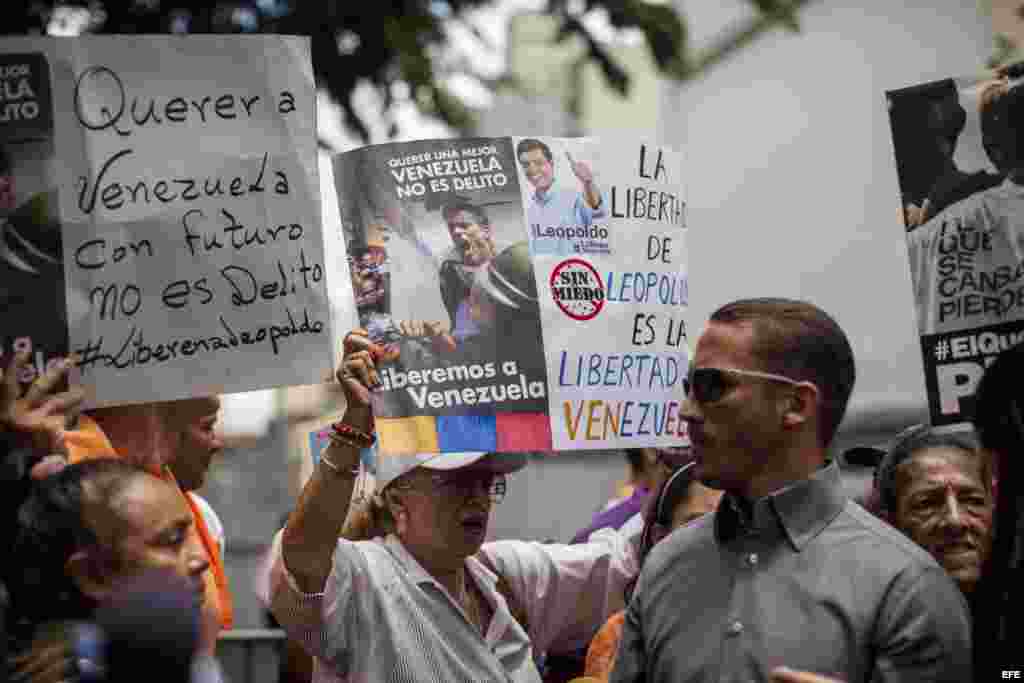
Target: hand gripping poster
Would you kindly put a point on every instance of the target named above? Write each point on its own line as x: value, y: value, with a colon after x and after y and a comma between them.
x: 960, y: 161
x: 159, y: 199
x: 526, y: 294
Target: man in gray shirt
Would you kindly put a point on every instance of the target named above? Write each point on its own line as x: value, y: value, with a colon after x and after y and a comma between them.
x: 787, y: 571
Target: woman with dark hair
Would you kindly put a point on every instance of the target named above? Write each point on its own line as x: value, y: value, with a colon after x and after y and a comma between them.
x: 678, y: 501
x: 85, y: 533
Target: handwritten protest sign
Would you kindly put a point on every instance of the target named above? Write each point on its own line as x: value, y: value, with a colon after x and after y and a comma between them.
x: 960, y: 171
x: 180, y: 180
x: 528, y: 294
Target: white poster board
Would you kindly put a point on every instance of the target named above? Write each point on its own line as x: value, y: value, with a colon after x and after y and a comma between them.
x: 526, y: 294
x: 186, y: 176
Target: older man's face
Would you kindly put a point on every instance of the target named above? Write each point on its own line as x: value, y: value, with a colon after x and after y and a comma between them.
x: 946, y: 507
x: 447, y: 513
x: 197, y: 440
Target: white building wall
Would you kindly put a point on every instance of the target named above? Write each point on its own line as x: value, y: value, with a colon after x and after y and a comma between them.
x: 792, y: 186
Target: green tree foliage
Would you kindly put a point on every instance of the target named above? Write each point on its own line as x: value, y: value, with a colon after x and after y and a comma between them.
x: 380, y: 42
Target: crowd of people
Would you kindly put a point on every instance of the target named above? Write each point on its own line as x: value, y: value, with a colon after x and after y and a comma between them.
x: 741, y: 555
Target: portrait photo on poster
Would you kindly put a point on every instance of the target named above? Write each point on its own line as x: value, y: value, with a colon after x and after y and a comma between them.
x: 442, y: 276
x: 607, y: 228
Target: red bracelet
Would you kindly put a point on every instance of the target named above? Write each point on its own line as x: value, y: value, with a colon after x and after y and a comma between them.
x: 352, y: 436
x: 339, y: 440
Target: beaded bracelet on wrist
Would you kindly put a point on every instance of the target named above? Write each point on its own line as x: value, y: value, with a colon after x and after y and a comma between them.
x: 349, y: 435
x: 354, y: 472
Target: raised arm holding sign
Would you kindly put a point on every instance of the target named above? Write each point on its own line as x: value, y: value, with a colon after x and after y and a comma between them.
x: 422, y: 569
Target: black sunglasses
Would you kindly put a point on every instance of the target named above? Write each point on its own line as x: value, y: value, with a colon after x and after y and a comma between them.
x: 707, y: 385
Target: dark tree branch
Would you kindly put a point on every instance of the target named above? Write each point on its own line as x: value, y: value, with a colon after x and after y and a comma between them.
x: 385, y: 41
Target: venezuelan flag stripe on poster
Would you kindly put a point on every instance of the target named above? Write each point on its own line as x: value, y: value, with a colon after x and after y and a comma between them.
x: 458, y: 433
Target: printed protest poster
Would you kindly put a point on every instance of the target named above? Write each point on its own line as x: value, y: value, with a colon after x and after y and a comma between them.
x: 528, y: 294
x: 960, y: 164
x: 31, y: 270
x: 615, y: 287
x: 166, y: 188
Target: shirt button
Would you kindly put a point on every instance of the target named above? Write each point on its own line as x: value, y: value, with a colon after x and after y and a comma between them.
x: 735, y: 628
x: 752, y: 560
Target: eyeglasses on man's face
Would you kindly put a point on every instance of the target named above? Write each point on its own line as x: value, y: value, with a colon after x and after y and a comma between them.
x: 708, y: 385
x: 467, y: 485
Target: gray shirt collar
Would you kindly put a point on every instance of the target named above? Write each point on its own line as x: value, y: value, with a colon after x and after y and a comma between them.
x: 800, y: 511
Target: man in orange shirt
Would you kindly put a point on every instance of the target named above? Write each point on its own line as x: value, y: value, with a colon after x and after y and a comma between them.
x: 175, y: 441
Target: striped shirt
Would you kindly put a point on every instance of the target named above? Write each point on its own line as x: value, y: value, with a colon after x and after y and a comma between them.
x: 382, y: 617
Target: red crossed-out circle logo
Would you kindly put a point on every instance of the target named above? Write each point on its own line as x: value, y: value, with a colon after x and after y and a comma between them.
x: 577, y: 288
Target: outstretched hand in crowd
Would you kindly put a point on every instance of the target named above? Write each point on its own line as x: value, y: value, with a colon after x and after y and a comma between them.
x: 49, y: 658
x: 38, y: 416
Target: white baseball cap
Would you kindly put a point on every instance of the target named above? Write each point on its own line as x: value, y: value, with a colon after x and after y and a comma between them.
x: 390, y: 467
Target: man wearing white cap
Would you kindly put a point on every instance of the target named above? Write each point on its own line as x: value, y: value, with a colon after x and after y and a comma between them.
x: 425, y: 599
